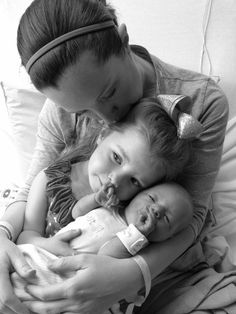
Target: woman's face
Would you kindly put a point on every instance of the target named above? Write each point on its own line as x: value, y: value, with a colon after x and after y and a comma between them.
x: 124, y: 159
x: 109, y: 89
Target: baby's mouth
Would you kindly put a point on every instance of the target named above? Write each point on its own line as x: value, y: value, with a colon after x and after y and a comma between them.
x: 147, y: 213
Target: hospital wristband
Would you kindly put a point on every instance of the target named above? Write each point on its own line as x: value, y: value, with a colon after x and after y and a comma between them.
x: 8, y: 229
x: 132, y: 239
x: 145, y: 272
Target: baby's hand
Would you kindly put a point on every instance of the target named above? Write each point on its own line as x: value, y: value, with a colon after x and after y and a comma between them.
x: 146, y: 221
x: 59, y: 244
x: 106, y: 196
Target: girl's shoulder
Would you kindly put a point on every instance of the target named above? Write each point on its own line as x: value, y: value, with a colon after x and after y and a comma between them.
x: 58, y: 169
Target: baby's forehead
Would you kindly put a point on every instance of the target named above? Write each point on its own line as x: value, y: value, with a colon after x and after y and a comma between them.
x: 163, y: 187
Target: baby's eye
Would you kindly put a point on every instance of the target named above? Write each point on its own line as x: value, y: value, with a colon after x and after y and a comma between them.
x: 135, y: 182
x: 151, y: 198
x: 117, y: 158
x: 167, y: 219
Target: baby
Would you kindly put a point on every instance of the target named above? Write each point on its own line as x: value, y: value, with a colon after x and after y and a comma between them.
x: 153, y: 215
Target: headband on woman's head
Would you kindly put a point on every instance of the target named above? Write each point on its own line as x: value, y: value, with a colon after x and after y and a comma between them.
x: 57, y: 41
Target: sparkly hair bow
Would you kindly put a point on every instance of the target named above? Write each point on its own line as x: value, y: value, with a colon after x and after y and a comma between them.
x: 176, y: 105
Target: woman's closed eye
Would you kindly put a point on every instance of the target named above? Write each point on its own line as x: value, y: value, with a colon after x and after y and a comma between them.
x: 108, y: 95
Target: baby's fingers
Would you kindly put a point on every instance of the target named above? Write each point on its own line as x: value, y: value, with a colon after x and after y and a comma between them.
x: 150, y: 221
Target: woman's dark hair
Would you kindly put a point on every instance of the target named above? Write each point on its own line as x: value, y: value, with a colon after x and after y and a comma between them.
x: 152, y: 121
x: 45, y: 20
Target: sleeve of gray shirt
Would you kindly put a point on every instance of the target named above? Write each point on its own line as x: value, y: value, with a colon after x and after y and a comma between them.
x: 200, y: 176
x: 57, y: 129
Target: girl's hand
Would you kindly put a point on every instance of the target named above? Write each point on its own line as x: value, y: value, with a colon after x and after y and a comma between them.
x: 106, y: 197
x: 59, y: 244
x: 12, y: 259
x: 99, y: 282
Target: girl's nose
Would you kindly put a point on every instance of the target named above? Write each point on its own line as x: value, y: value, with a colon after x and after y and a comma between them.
x: 114, y: 178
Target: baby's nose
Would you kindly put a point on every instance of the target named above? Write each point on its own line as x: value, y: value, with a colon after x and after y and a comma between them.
x: 158, y: 211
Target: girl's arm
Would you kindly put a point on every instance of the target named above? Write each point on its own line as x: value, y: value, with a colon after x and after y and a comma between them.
x: 84, y: 205
x: 105, y: 197
x: 36, y: 211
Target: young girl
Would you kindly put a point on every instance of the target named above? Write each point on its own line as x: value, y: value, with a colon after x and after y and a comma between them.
x: 104, y: 170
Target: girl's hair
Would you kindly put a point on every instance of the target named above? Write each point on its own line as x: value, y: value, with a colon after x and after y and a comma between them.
x: 45, y: 20
x: 152, y: 121
x: 160, y: 131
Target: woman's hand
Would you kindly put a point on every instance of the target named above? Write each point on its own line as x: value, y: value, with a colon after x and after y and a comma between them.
x: 11, y: 259
x: 99, y: 282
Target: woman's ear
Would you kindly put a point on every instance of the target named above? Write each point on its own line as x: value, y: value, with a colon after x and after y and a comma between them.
x: 124, y: 35
x: 102, y: 134
x: 99, y: 139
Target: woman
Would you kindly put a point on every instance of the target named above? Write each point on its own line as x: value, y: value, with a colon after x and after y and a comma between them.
x: 95, y: 69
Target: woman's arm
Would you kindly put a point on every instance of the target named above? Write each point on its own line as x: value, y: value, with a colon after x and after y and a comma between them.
x: 89, y: 290
x: 200, y: 175
x: 48, y: 147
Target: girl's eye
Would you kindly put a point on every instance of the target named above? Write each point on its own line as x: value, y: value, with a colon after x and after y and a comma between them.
x: 117, y: 158
x: 135, y: 182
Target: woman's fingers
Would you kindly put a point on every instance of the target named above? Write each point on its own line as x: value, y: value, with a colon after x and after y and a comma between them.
x: 50, y: 292
x: 19, y: 263
x: 9, y: 303
x: 12, y: 259
x: 71, y: 306
x: 68, y: 263
x: 53, y: 307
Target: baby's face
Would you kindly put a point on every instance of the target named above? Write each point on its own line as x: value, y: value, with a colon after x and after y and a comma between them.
x: 161, y: 211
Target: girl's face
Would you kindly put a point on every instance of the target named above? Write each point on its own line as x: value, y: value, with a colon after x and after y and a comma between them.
x: 124, y: 158
x: 109, y: 89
